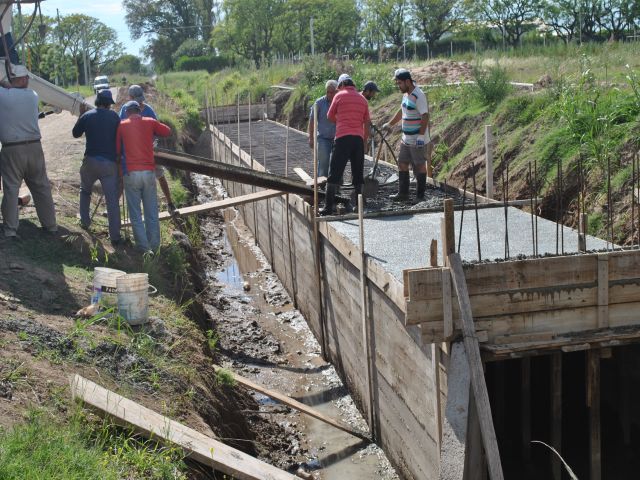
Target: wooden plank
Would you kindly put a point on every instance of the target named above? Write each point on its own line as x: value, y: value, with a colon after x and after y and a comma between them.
x: 472, y: 348
x: 603, y: 291
x: 202, y: 448
x: 435, y: 366
x: 447, y: 308
x: 229, y: 202
x: 301, y: 407
x: 433, y: 253
x: 593, y: 402
x: 304, y: 176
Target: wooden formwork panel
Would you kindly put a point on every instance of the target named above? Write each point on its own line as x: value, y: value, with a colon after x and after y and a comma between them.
x: 551, y: 295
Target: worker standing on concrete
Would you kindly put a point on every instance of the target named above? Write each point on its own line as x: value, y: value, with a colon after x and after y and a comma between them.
x: 350, y: 112
x: 370, y: 90
x: 6, y: 37
x: 326, y: 129
x: 415, y: 146
x: 100, y: 127
x: 21, y: 157
x: 134, y: 141
x: 136, y: 93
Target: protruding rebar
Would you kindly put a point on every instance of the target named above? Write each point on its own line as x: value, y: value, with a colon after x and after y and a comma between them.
x: 475, y: 202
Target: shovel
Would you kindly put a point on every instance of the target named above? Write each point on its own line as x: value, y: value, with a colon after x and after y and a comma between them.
x: 371, y: 183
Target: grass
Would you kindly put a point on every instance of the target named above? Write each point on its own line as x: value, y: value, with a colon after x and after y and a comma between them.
x: 45, y: 448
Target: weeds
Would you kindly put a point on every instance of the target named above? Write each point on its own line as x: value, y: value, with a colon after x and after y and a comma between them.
x: 212, y: 340
x: 225, y: 377
x: 491, y: 85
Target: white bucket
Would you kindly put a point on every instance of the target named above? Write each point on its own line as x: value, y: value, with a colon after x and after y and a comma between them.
x: 104, y: 286
x: 133, y: 297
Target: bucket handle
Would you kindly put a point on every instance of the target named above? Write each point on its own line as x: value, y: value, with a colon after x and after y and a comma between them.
x: 152, y: 290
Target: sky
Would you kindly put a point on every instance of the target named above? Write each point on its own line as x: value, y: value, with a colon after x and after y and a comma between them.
x: 111, y: 13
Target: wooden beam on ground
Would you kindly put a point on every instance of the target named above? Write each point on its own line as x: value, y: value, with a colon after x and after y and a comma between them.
x: 301, y: 407
x: 593, y: 403
x: 152, y: 425
x: 218, y: 205
x: 472, y: 348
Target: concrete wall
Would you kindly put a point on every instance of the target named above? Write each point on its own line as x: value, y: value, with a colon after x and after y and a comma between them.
x: 403, y: 376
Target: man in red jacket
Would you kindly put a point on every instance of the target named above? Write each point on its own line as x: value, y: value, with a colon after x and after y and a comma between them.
x: 135, y: 140
x: 350, y: 112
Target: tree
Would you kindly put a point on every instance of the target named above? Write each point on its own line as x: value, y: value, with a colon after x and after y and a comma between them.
x: 563, y: 17
x: 510, y: 16
x: 78, y: 32
x: 390, y: 15
x: 126, y: 64
x: 434, y: 18
x: 248, y: 28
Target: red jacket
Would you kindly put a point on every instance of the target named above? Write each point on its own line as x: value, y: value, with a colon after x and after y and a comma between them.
x: 135, y: 138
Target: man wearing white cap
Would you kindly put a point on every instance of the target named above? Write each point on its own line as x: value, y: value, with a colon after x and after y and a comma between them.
x: 415, y: 147
x: 21, y: 157
x: 350, y: 112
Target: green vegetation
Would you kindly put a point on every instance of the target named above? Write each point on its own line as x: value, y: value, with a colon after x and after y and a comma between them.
x: 45, y: 448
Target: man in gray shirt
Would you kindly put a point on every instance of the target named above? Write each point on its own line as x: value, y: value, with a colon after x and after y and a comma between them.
x: 326, y: 129
x: 21, y: 157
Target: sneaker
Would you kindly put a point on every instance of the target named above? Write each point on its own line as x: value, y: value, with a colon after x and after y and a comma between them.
x: 399, y: 197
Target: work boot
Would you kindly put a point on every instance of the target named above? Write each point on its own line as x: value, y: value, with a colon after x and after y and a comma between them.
x: 329, y: 200
x: 421, y: 179
x: 403, y: 188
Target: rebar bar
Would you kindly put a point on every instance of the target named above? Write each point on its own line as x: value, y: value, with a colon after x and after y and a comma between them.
x: 464, y: 198
x: 475, y: 202
x: 533, y: 233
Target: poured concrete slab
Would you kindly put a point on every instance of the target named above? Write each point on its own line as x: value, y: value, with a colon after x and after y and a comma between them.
x: 403, y: 242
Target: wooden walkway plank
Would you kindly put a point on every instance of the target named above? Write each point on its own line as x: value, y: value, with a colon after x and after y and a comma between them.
x: 218, y: 204
x: 151, y: 424
x: 297, y: 405
x: 472, y: 348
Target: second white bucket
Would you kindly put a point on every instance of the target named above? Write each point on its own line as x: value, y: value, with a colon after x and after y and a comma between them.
x: 133, y: 298
x: 104, y: 285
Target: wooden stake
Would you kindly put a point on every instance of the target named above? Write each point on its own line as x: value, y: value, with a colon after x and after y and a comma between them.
x: 472, y: 348
x: 449, y: 245
x: 556, y: 413
x: 593, y: 402
x: 433, y: 253
x: 366, y: 328
x: 488, y: 148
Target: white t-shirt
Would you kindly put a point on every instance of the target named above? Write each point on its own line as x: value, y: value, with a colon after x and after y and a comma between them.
x: 6, y: 18
x: 414, y: 105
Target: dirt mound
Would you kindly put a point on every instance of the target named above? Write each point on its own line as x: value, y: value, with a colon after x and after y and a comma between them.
x: 443, y: 71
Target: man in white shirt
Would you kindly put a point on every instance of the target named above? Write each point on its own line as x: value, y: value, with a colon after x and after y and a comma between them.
x: 416, y: 139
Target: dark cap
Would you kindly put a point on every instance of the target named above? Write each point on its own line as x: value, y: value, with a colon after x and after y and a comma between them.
x: 402, y: 74
x: 105, y: 97
x: 131, y: 105
x: 370, y: 86
x: 136, y: 93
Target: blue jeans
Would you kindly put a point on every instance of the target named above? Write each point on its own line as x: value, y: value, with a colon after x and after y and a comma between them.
x: 140, y: 186
x: 324, y: 156
x: 106, y: 171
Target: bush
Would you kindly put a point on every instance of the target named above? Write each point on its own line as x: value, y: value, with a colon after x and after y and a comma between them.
x: 492, y: 85
x: 206, y: 62
x: 191, y: 48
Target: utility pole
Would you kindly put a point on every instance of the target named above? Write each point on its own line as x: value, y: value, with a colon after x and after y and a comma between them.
x: 404, y: 40
x: 313, y: 49
x: 85, y: 56
x: 22, y: 49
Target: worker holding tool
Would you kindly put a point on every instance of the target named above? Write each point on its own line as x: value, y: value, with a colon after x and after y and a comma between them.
x: 100, y: 126
x: 134, y: 143
x: 370, y: 90
x: 21, y: 157
x: 415, y: 147
x: 350, y: 112
x: 136, y: 93
x: 326, y: 129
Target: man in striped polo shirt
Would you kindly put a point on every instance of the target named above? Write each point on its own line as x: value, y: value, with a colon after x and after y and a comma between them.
x: 415, y: 147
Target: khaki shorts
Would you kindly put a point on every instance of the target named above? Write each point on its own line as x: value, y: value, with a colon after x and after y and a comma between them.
x: 413, y: 155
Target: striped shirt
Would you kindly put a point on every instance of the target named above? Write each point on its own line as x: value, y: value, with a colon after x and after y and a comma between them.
x: 414, y: 106
x: 349, y: 110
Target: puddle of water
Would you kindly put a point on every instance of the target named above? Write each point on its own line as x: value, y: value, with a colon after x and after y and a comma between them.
x: 332, y: 454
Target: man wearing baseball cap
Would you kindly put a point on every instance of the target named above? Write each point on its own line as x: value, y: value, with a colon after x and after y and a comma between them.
x: 21, y: 157
x: 136, y: 93
x: 350, y: 112
x: 369, y: 90
x: 100, y: 126
x: 415, y: 148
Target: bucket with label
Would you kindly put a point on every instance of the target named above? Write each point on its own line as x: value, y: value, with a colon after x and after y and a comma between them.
x: 133, y: 297
x: 104, y: 286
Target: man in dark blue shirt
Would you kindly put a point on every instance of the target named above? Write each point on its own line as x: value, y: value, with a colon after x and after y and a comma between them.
x: 100, y: 127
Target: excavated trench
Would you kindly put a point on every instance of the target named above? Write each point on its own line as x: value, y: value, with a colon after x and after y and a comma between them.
x: 261, y: 336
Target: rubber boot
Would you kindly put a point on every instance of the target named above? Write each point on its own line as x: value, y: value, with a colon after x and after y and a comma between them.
x: 421, y: 179
x: 329, y: 200
x: 403, y: 188
x: 357, y: 190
